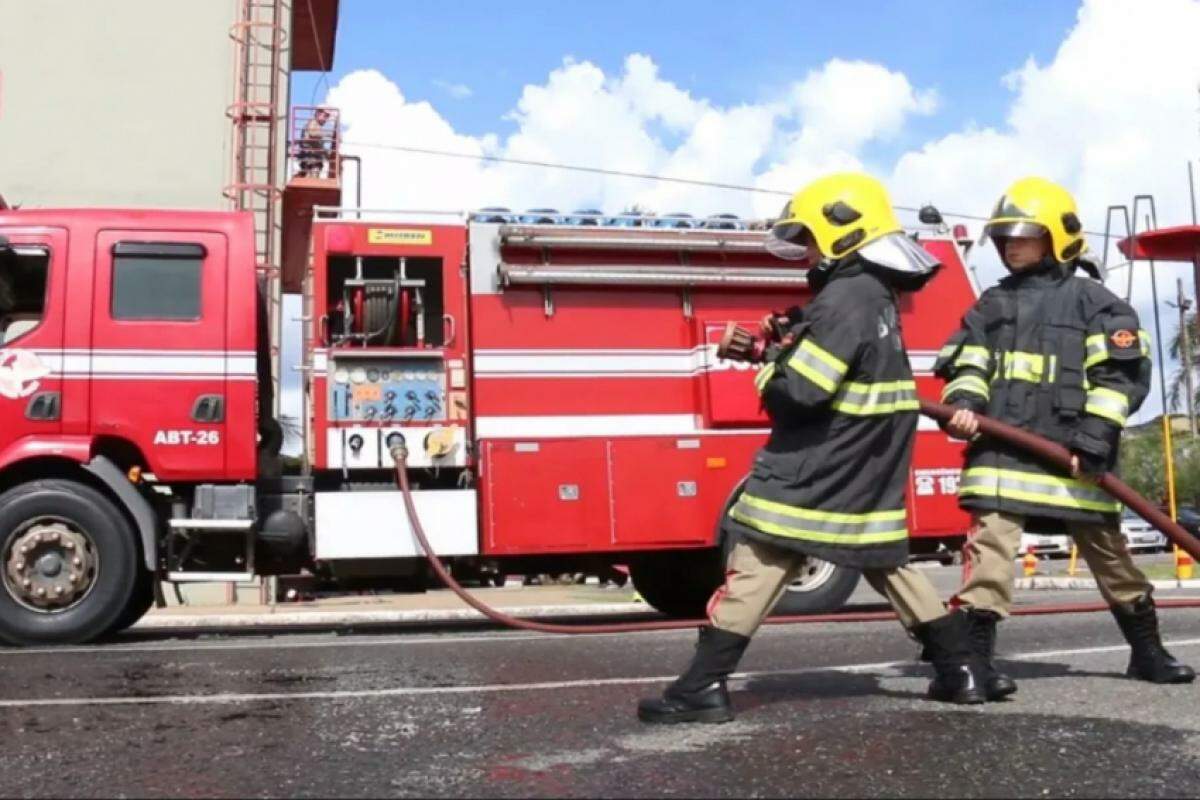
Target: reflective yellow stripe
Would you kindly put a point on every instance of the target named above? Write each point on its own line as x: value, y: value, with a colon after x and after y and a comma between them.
x: 1018, y: 366
x: 947, y: 351
x: 823, y: 516
x: 1036, y: 488
x: 1111, y: 405
x: 974, y: 356
x: 1097, y: 350
x: 1146, y: 341
x: 881, y: 527
x: 764, y: 375
x: 867, y: 399
x: 967, y: 383
x: 818, y: 365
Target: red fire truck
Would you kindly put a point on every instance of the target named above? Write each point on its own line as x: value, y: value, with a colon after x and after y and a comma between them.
x: 555, y: 381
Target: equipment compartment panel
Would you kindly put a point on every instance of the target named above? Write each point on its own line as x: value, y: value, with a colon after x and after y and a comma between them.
x: 387, y: 389
x: 673, y: 490
x: 546, y: 496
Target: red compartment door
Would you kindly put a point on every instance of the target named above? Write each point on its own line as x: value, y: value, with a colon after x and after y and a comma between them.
x: 670, y: 491
x: 546, y: 496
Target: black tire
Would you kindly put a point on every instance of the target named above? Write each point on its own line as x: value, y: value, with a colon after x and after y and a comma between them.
x: 824, y: 589
x: 140, y: 601
x: 499, y: 579
x: 680, y: 583
x: 87, y: 511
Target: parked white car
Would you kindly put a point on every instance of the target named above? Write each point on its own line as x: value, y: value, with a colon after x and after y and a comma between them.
x: 1041, y: 544
x: 1141, y: 536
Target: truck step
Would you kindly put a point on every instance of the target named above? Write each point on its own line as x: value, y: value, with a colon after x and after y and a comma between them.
x: 211, y: 524
x: 210, y: 577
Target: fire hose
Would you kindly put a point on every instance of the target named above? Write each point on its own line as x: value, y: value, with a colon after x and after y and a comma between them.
x: 1051, y: 453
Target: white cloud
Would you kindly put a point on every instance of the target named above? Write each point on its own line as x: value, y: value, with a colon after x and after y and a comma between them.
x: 634, y: 121
x: 1111, y: 115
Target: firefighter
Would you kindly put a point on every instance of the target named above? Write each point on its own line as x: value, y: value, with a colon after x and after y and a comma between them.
x: 1059, y: 355
x: 830, y: 482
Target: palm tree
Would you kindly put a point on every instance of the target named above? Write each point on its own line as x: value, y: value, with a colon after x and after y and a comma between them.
x: 1178, y: 387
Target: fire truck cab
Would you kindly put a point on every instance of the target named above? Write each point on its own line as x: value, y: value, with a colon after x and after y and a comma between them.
x: 555, y: 382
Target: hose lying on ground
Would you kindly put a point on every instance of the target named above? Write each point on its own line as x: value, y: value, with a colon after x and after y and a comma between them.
x: 1050, y: 452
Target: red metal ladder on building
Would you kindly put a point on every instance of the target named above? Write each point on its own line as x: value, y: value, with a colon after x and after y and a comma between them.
x: 259, y: 71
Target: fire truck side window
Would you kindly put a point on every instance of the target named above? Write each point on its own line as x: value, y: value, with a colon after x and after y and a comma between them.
x: 24, y: 273
x: 157, y: 281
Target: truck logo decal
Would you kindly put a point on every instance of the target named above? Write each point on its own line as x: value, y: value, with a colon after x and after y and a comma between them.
x: 401, y: 237
x: 20, y: 373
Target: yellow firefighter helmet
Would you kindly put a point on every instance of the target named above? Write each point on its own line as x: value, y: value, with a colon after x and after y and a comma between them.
x: 1038, y: 207
x: 844, y: 213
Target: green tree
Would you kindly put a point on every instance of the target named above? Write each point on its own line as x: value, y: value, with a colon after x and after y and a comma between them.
x: 1143, y: 467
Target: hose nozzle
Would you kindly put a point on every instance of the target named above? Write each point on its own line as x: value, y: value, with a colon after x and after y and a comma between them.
x: 739, y: 344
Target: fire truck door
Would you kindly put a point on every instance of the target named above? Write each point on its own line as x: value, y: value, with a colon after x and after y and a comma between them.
x: 33, y: 283
x: 159, y: 356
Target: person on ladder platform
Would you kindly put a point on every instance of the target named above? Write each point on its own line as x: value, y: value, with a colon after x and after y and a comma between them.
x: 830, y: 481
x: 1061, y: 356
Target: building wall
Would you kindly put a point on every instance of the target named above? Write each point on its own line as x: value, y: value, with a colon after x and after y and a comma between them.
x: 116, y: 102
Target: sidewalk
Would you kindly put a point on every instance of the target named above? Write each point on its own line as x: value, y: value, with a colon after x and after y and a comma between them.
x: 391, y: 609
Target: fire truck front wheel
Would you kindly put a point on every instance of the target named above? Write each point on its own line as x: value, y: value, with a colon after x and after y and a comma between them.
x: 68, y: 563
x: 139, y: 603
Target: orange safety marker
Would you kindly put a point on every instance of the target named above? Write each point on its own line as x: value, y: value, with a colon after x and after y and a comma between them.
x: 1030, y: 562
x: 1184, y: 564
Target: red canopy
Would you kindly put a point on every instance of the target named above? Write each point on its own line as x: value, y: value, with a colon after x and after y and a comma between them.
x: 1165, y: 244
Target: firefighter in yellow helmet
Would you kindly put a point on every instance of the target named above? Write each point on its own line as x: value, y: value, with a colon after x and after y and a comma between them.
x: 830, y: 482
x: 1061, y: 356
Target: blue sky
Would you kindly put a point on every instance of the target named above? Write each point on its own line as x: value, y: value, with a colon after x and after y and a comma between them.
x: 1103, y: 100
x: 726, y: 53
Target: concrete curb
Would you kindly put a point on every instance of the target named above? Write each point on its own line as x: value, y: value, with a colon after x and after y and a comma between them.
x: 1047, y: 582
x: 358, y: 616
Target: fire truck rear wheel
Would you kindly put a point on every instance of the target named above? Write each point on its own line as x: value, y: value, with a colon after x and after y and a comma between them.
x: 819, y: 588
x: 68, y: 563
x: 679, y: 584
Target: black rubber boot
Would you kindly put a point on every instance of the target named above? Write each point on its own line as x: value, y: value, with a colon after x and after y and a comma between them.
x: 699, y: 694
x: 982, y: 634
x: 958, y: 674
x: 1148, y: 659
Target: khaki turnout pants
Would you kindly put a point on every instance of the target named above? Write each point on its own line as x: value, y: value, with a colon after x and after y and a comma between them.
x: 757, y: 574
x: 996, y: 537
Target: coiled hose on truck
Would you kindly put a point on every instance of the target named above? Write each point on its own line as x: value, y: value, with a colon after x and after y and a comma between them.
x: 1048, y: 451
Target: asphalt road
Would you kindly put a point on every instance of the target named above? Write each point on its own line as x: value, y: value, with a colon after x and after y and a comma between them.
x: 826, y: 710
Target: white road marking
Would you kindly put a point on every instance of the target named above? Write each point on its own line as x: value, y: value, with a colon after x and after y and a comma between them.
x: 419, y: 691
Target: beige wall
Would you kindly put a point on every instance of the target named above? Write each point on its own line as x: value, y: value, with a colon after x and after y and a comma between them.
x: 116, y: 102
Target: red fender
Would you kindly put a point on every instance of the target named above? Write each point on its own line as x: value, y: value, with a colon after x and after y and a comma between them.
x: 72, y: 448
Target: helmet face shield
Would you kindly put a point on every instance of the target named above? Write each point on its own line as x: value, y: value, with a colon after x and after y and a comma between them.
x: 898, y: 253
x: 1018, y: 230
x: 791, y: 241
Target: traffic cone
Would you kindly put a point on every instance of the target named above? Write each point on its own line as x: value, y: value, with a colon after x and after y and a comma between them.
x: 1030, y: 563
x: 1184, y: 563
